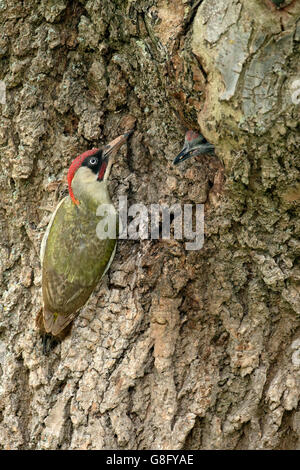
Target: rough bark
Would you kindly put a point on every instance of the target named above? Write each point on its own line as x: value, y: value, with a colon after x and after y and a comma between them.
x: 175, y: 349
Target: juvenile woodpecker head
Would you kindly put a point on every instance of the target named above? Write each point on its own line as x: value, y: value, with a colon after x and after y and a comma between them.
x: 194, y: 144
x: 92, y: 166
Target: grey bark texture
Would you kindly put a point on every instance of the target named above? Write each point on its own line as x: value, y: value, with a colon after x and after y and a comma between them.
x: 175, y: 349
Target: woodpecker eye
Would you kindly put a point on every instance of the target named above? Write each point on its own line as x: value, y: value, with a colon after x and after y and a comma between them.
x: 93, y: 161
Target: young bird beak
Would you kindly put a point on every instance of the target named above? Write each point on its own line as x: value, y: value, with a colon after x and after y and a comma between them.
x: 188, y: 152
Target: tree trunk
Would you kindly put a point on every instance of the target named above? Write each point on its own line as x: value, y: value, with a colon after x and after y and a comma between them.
x: 176, y: 348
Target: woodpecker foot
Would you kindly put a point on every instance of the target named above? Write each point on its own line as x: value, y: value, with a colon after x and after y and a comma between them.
x: 49, y: 343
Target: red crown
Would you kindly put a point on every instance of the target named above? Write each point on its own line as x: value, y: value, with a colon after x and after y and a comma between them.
x: 77, y: 162
x: 191, y: 135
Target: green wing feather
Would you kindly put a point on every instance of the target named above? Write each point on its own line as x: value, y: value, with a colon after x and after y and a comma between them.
x: 72, y: 270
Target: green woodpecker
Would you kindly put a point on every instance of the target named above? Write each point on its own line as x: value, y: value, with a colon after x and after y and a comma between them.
x: 194, y: 144
x: 73, y: 257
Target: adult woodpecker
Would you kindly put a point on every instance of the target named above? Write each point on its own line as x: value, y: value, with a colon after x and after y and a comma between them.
x: 73, y: 258
x: 194, y: 144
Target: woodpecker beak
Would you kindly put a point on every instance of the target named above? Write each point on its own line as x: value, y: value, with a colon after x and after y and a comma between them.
x: 188, y: 152
x: 111, y: 149
x: 114, y: 145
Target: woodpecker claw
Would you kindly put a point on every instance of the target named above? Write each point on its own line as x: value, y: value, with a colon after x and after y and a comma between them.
x: 49, y: 343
